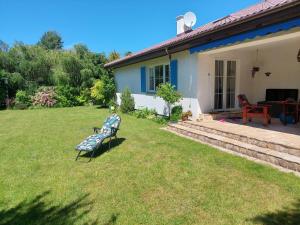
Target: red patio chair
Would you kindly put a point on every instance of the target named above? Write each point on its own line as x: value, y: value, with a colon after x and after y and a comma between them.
x: 251, y: 111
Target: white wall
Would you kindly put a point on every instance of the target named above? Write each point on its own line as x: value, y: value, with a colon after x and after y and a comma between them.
x: 196, y: 75
x: 206, y: 68
x: 129, y: 76
x: 281, y: 61
x: 279, y: 58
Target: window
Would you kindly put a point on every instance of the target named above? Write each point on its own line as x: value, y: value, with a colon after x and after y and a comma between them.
x: 225, y: 84
x: 219, y: 79
x: 158, y: 75
x: 231, y: 78
x: 151, y: 79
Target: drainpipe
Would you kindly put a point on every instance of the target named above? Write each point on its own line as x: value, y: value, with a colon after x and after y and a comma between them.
x: 169, y: 55
x: 170, y: 58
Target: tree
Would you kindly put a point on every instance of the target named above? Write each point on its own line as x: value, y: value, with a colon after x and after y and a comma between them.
x: 97, y: 92
x: 168, y: 93
x: 81, y: 50
x: 103, y: 90
x: 127, y: 101
x: 109, y: 89
x: 51, y: 40
x: 3, y: 46
x: 72, y: 66
x: 113, y: 56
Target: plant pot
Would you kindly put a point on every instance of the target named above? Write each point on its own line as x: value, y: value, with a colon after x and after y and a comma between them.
x: 184, y: 118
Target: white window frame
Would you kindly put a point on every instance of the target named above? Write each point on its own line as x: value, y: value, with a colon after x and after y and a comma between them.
x: 152, y: 67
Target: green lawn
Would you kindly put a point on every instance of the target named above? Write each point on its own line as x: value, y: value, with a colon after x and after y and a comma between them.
x: 150, y: 176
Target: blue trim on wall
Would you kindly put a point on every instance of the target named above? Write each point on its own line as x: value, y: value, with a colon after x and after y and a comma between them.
x: 143, y: 79
x: 248, y: 35
x: 174, y: 73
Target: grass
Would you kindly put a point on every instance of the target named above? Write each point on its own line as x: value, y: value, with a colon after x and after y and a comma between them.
x: 149, y: 177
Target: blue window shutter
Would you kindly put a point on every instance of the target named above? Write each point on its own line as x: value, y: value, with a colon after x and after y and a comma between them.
x: 174, y: 73
x: 143, y: 79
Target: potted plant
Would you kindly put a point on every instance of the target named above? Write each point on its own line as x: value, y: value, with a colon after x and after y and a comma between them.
x: 185, y: 116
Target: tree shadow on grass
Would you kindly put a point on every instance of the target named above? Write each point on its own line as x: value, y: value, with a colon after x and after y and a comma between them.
x: 112, y: 220
x: 286, y: 216
x: 39, y: 212
x: 105, y: 147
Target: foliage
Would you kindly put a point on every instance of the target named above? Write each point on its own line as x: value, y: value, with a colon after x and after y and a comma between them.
x: 72, y: 66
x: 22, y: 98
x: 109, y: 89
x: 84, y: 97
x: 113, y: 106
x: 145, y: 113
x: 186, y: 115
x: 176, y: 113
x: 2, y: 89
x: 81, y: 50
x: 103, y: 91
x: 113, y: 56
x: 97, y: 92
x: 66, y: 96
x: 29, y: 67
x: 168, y: 93
x: 45, y: 97
x: 3, y: 46
x: 150, y: 114
x: 127, y: 101
x: 51, y: 40
x: 161, y: 120
x: 20, y: 106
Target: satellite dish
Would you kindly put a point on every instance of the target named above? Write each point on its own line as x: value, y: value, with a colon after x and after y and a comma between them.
x: 189, y: 19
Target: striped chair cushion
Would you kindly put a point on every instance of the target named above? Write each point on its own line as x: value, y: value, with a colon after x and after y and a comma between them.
x: 92, y: 142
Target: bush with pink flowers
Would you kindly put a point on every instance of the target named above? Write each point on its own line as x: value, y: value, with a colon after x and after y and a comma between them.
x: 44, y: 97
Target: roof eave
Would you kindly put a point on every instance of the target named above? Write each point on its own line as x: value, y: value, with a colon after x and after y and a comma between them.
x: 276, y: 15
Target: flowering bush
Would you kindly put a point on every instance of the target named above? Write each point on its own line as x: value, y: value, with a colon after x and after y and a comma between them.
x: 45, y: 97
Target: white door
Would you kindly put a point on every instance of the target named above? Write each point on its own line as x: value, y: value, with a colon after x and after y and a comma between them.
x: 225, y: 84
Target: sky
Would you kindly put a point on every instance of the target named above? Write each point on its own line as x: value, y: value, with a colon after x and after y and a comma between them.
x: 104, y: 25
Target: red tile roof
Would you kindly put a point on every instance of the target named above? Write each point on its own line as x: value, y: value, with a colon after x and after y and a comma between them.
x: 264, y: 6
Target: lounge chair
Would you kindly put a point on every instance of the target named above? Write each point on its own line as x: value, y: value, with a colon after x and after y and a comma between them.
x: 251, y: 111
x: 93, y: 142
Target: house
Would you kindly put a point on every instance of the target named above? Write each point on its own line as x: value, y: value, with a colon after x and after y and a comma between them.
x: 252, y: 52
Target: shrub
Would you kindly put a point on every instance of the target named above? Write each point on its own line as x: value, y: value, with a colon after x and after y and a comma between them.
x: 145, y: 113
x: 161, y: 119
x: 45, y: 97
x: 97, y: 92
x: 66, y: 96
x: 84, y: 97
x: 127, y: 101
x: 113, y: 106
x: 103, y: 91
x: 168, y: 93
x: 176, y: 113
x: 20, y: 106
x: 109, y: 89
x: 23, y: 98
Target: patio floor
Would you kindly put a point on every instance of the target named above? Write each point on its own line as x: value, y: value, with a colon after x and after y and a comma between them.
x: 276, y: 132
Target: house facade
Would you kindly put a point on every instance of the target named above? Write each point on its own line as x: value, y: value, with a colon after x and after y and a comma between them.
x: 251, y: 52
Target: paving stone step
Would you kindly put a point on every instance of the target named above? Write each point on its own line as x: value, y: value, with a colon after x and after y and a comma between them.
x: 278, y: 158
x: 246, y: 139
